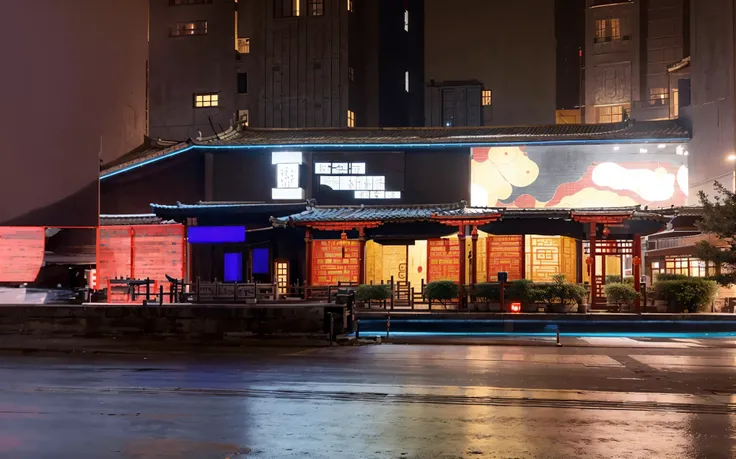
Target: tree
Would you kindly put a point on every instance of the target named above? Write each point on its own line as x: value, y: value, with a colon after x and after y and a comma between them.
x: 719, y: 218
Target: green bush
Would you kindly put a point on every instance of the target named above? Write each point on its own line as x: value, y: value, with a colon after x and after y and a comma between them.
x: 442, y: 291
x: 670, y: 277
x: 373, y: 292
x: 488, y: 292
x: 521, y: 290
x: 614, y: 279
x: 559, y: 292
x: 619, y: 293
x: 688, y: 294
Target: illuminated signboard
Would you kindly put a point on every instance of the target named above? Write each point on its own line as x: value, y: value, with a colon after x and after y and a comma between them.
x: 215, y: 234
x: 287, y: 175
x: 351, y: 177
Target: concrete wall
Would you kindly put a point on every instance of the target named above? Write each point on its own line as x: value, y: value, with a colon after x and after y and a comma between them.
x: 185, y: 322
x: 712, y: 115
x: 74, y: 80
x: 508, y: 46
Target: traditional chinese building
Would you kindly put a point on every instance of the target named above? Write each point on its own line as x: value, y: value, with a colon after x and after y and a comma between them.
x: 413, y: 205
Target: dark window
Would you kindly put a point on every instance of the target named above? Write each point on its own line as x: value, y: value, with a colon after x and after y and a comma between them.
x: 316, y: 7
x: 242, y: 83
x: 188, y: 28
x: 287, y: 8
x: 189, y: 2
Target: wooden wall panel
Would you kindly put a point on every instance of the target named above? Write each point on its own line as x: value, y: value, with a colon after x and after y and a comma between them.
x: 443, y: 258
x: 330, y: 264
x: 21, y: 253
x: 140, y: 252
x: 504, y: 255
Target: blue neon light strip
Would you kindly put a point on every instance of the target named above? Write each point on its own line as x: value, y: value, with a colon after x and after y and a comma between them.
x: 234, y: 267
x: 260, y: 261
x: 714, y: 335
x: 215, y: 234
x: 383, y: 146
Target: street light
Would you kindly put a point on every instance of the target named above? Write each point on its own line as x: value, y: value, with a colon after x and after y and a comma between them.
x: 731, y: 157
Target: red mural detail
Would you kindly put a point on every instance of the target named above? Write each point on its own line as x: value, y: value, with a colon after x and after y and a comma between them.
x: 140, y: 252
x: 335, y: 261
x: 504, y: 255
x: 678, y: 198
x: 443, y: 260
x: 21, y: 253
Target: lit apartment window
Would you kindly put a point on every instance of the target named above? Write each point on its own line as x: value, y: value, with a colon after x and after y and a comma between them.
x: 406, y: 20
x: 206, y: 100
x: 607, y: 30
x: 287, y: 8
x: 406, y: 81
x: 351, y: 74
x: 188, y: 28
x: 316, y: 7
x: 243, y: 45
x: 190, y: 2
x: 242, y: 83
x: 350, y: 6
x: 351, y: 118
x: 487, y: 97
x: 659, y: 96
x: 611, y: 113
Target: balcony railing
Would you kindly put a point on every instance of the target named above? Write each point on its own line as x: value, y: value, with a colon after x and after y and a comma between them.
x: 684, y: 241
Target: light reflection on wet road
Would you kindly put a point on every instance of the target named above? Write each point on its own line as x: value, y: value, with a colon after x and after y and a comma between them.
x: 374, y: 402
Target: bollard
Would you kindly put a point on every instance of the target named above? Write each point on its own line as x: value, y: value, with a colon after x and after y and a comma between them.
x: 388, y: 324
x: 357, y: 329
x: 559, y: 344
x: 332, y: 327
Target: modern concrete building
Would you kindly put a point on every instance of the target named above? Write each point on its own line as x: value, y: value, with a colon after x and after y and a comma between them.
x: 629, y: 45
x: 74, y: 79
x: 711, y: 111
x: 280, y: 63
x: 508, y: 47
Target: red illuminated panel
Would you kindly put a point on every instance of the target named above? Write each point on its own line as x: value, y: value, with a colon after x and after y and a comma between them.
x: 113, y: 259
x: 504, y: 255
x: 158, y: 250
x: 331, y: 264
x: 443, y: 258
x: 21, y: 253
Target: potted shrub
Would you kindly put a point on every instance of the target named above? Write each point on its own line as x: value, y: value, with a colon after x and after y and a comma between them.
x: 442, y: 291
x: 367, y: 294
x: 559, y: 296
x: 686, y: 294
x: 487, y: 293
x: 621, y: 294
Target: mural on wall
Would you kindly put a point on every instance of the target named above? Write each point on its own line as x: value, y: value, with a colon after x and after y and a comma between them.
x: 579, y: 176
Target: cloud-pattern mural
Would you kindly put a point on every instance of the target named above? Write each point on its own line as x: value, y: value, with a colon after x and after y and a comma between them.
x: 579, y: 176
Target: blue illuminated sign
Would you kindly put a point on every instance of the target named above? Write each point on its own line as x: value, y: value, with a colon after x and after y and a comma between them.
x: 260, y: 261
x: 234, y: 267
x: 215, y: 234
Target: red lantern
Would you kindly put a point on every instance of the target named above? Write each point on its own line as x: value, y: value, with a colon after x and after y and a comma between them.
x: 516, y: 308
x: 636, y: 261
x: 606, y: 232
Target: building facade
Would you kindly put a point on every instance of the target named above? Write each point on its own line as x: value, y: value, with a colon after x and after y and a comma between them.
x: 509, y: 47
x: 281, y: 64
x: 629, y: 46
x: 75, y: 97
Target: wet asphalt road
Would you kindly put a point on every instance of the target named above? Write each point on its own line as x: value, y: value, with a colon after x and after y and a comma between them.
x: 384, y: 401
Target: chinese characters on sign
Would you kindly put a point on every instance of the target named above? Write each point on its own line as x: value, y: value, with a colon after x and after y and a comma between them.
x: 443, y: 258
x: 335, y: 261
x: 504, y: 255
x: 287, y: 175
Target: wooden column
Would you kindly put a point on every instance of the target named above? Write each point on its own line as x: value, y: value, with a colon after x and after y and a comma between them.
x: 474, y: 250
x: 592, y: 264
x: 308, y: 240
x: 636, y: 270
x: 361, y: 256
x: 461, y: 281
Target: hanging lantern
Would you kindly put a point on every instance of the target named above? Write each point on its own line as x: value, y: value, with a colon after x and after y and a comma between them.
x: 636, y: 261
x: 606, y: 232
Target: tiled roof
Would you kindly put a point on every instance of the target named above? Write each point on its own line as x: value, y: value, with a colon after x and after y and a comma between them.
x: 557, y: 133
x: 377, y: 138
x: 407, y: 213
x: 180, y: 212
x: 131, y: 219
